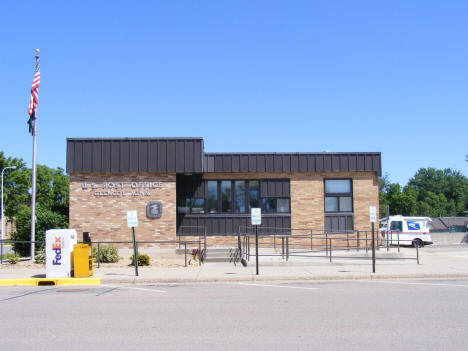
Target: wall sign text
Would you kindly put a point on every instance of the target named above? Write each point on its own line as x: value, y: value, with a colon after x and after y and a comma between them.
x: 121, y: 188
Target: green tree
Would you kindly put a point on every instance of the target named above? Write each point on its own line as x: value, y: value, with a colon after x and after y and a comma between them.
x: 45, y: 219
x: 400, y: 202
x: 16, y: 183
x: 440, y: 192
x: 431, y: 192
x: 52, y: 187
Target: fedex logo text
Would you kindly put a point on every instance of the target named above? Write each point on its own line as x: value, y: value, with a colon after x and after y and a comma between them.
x: 57, y: 247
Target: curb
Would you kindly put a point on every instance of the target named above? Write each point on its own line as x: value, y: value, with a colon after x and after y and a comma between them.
x: 254, y: 278
x: 50, y: 281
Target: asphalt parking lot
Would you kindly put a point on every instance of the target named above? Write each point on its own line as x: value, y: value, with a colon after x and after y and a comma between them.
x: 345, y: 315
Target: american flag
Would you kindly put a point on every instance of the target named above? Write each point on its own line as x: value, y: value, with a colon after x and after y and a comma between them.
x: 34, y: 96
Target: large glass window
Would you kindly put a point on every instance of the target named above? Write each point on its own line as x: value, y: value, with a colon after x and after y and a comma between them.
x: 338, y: 195
x: 238, y: 196
x: 226, y: 196
x: 212, y: 188
x: 239, y: 190
x: 254, y: 194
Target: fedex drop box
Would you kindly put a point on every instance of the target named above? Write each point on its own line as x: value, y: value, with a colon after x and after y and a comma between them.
x: 59, y: 246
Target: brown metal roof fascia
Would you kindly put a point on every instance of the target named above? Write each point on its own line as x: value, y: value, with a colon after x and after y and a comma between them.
x: 292, y: 162
x: 124, y: 155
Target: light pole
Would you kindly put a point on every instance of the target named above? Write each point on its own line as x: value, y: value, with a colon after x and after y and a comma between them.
x: 3, y: 217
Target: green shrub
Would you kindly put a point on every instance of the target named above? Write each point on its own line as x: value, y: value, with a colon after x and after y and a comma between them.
x: 46, y: 219
x: 143, y: 260
x: 40, y: 257
x: 107, y: 254
x: 12, y: 258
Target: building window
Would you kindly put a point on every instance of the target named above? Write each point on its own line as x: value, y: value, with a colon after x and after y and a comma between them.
x: 234, y: 196
x: 282, y: 205
x: 226, y: 196
x: 183, y: 206
x: 268, y: 205
x: 338, y: 195
x: 239, y: 195
x: 197, y: 205
x: 190, y: 205
x: 337, y: 186
x: 275, y: 205
x: 254, y: 194
x: 212, y: 189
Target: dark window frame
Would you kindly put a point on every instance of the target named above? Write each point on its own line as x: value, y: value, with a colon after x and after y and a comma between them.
x: 234, y: 198
x: 338, y: 195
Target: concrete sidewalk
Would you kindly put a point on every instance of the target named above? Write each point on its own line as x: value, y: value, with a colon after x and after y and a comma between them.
x: 434, y: 263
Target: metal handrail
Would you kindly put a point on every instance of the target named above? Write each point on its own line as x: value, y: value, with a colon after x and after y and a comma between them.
x: 99, y: 243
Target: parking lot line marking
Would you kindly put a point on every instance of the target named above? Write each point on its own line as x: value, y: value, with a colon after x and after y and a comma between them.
x: 134, y: 288
x: 27, y: 293
x: 413, y: 283
x: 277, y: 286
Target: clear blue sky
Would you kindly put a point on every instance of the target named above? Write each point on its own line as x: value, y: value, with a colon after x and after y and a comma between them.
x: 388, y: 76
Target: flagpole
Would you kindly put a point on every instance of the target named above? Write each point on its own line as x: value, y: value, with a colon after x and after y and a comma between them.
x: 33, y: 180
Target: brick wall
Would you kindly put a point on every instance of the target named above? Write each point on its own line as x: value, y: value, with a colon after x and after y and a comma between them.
x: 366, y: 193
x: 105, y: 216
x: 307, y: 191
x: 307, y: 198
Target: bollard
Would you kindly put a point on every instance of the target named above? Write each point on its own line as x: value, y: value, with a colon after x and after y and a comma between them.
x: 330, y: 250
x: 185, y: 252
x: 417, y: 254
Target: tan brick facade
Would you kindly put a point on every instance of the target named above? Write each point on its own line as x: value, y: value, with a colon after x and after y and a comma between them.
x: 307, y: 195
x: 105, y: 216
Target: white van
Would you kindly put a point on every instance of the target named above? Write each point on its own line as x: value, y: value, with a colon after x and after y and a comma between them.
x: 405, y: 231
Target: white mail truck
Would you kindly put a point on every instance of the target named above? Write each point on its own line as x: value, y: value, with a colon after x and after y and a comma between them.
x: 405, y: 231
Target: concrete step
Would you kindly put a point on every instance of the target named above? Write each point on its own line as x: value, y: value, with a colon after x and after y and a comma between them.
x: 222, y: 255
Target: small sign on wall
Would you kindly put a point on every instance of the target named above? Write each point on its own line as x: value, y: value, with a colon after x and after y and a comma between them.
x: 154, y: 209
